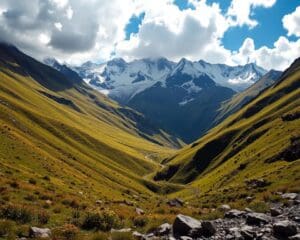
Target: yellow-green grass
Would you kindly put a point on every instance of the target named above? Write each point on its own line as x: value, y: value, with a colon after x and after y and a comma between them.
x: 83, y: 154
x: 251, y: 139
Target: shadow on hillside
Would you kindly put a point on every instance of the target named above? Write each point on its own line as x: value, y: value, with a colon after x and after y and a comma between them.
x: 18, y: 62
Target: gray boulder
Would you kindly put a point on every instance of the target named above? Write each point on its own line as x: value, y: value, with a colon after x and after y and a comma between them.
x: 163, y: 229
x: 208, y: 229
x: 275, y: 212
x: 184, y: 225
x: 290, y: 196
x: 284, y: 228
x: 257, y: 218
x: 234, y: 213
x: 35, y: 232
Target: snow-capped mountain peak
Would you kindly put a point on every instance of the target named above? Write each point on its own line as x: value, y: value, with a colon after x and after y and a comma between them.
x: 122, y: 80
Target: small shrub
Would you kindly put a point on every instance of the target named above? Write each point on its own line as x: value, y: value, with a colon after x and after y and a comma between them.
x: 260, y: 207
x: 30, y: 198
x: 103, y: 221
x: 16, y: 213
x: 74, y: 204
x: 14, y: 184
x: 122, y: 236
x: 57, y: 210
x: 99, y: 236
x: 47, y: 178
x: 212, y: 215
x: 32, y: 181
x: 7, y: 229
x: 66, y: 232
x: 140, y: 221
x: 43, y: 217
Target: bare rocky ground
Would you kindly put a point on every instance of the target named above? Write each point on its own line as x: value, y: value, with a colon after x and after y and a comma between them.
x: 281, y: 222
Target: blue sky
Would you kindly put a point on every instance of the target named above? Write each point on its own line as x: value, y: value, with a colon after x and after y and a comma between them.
x: 232, y: 32
x: 265, y: 34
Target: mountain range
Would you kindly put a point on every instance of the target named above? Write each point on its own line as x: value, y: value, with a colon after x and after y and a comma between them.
x: 74, y: 160
x: 182, y: 98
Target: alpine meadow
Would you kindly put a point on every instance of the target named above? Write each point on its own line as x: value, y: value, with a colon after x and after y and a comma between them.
x: 150, y: 120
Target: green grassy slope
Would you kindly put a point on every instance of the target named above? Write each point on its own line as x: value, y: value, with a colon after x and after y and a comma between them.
x: 262, y: 140
x: 240, y: 99
x: 52, y: 127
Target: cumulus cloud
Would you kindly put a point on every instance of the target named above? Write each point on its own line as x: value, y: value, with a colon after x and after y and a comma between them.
x: 70, y: 30
x: 240, y: 11
x: 79, y: 30
x: 279, y: 57
x: 168, y: 31
x: 291, y: 22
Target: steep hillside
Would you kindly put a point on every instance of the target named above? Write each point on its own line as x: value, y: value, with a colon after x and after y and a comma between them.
x: 60, y: 138
x: 238, y: 100
x: 254, y: 150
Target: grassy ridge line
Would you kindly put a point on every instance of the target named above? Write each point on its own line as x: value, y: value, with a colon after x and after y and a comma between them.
x: 251, y: 137
x: 78, y: 150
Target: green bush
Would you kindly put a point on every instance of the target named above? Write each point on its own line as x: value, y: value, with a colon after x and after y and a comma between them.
x: 99, y: 236
x: 66, y: 232
x: 104, y: 221
x: 122, y: 236
x: 32, y: 181
x: 140, y: 221
x: 17, y: 213
x: 7, y: 229
x: 43, y: 217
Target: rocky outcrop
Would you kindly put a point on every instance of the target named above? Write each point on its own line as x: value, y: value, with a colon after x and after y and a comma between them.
x: 281, y: 222
x: 35, y: 232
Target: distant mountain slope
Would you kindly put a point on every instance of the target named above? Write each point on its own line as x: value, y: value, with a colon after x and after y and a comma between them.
x: 260, y: 141
x: 238, y: 100
x: 182, y: 97
x: 58, y: 127
x: 123, y: 80
x: 187, y: 106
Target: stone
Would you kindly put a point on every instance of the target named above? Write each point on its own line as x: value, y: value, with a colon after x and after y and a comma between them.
x: 48, y: 202
x: 290, y: 196
x: 296, y: 237
x: 163, y: 229
x: 225, y: 207
x: 176, y: 202
x: 185, y: 238
x: 248, y: 210
x: 249, y: 199
x: 257, y: 218
x: 284, y: 228
x: 35, y: 232
x: 137, y: 235
x: 234, y: 213
x: 208, y: 229
x: 139, y: 211
x: 123, y: 230
x: 257, y: 183
x: 235, y: 233
x: 275, y: 212
x: 183, y: 225
x: 248, y: 232
x: 98, y: 202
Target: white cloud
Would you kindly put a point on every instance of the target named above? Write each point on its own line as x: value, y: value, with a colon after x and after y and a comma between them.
x: 58, y: 25
x: 78, y: 30
x: 167, y: 31
x: 279, y: 57
x: 240, y: 11
x: 291, y: 22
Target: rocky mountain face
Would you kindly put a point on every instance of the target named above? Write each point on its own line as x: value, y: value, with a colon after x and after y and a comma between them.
x: 240, y: 99
x: 121, y: 80
x: 182, y: 97
x: 279, y: 222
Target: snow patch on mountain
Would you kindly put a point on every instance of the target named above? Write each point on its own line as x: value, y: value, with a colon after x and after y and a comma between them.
x: 122, y: 80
